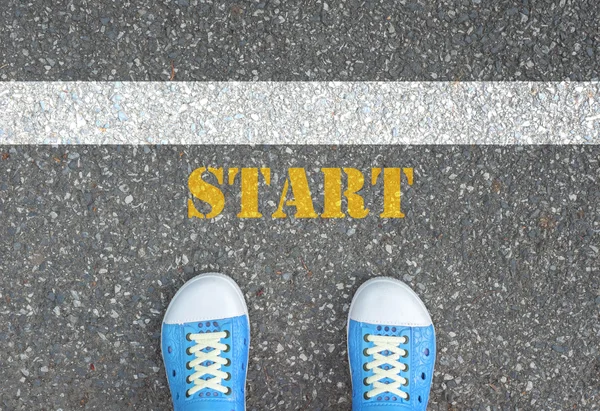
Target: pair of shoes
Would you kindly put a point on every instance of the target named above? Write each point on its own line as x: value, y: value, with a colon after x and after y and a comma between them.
x: 206, y: 340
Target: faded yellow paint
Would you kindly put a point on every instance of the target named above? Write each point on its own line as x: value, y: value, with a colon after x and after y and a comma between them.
x: 332, y: 192
x: 206, y: 192
x: 408, y: 172
x: 356, y: 203
x: 302, y: 196
x: 391, y: 190
x: 300, y: 192
x: 249, y: 190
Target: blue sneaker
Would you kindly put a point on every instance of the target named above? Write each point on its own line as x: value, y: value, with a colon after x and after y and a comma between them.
x: 391, y: 347
x: 205, y: 343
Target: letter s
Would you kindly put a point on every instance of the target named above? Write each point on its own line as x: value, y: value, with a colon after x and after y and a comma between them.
x: 206, y: 192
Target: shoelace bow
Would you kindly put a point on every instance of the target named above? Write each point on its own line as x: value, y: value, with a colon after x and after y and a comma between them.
x: 386, y: 344
x: 212, y: 341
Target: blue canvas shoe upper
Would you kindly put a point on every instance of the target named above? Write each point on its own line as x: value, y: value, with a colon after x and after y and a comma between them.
x: 205, y: 345
x: 391, y: 347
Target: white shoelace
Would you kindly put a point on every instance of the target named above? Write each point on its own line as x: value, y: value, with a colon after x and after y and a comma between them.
x: 390, y: 345
x: 203, y: 341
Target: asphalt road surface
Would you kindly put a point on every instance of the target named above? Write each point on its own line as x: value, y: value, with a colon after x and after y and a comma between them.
x: 300, y: 40
x: 501, y: 243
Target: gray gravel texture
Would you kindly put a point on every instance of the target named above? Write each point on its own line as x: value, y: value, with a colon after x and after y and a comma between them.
x: 300, y: 40
x: 300, y: 113
x: 501, y: 243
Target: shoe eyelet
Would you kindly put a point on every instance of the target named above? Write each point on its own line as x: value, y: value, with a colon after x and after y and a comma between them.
x: 228, y: 348
x: 187, y: 351
x: 365, y: 352
x: 228, y: 377
x: 405, y: 382
x: 366, y: 396
x: 228, y: 363
x: 187, y: 394
x: 405, y: 354
x: 366, y: 338
x: 365, y: 367
x: 187, y: 365
x: 407, y: 397
x: 227, y: 334
x: 405, y: 368
x: 228, y: 391
x: 188, y: 336
x: 365, y: 383
x: 406, y: 338
x: 187, y: 380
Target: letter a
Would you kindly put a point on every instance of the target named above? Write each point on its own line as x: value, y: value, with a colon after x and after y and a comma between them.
x: 302, y: 197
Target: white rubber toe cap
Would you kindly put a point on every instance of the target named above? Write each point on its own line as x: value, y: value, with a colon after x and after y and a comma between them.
x: 205, y: 297
x: 384, y: 300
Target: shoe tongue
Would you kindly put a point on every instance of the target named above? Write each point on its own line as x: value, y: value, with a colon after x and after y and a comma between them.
x: 387, y: 381
x: 392, y: 331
